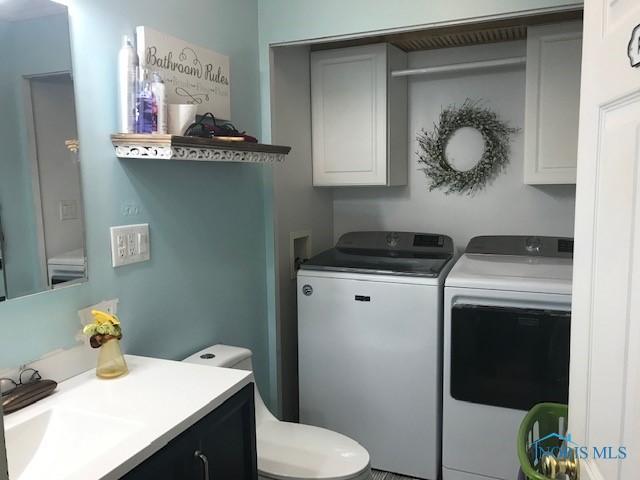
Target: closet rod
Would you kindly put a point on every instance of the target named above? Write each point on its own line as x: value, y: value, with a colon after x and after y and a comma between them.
x: 460, y: 67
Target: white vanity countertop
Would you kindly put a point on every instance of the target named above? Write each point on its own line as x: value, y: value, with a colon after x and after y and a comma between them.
x: 101, y: 429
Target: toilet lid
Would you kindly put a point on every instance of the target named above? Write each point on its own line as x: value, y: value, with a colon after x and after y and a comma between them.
x: 291, y: 450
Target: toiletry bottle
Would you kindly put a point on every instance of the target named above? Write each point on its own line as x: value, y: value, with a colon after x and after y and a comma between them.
x: 160, y: 98
x: 127, y: 71
x: 146, y: 116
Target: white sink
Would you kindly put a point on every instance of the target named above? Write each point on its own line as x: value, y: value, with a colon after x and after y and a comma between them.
x: 58, y: 441
x: 91, y: 429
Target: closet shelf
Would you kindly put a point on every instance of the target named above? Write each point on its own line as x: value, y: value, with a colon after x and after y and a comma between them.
x: 174, y: 147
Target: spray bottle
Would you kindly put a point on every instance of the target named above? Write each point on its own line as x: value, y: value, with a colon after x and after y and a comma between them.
x: 127, y: 72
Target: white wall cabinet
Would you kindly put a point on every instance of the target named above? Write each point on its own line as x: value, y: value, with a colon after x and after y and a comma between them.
x: 554, y: 56
x: 359, y: 116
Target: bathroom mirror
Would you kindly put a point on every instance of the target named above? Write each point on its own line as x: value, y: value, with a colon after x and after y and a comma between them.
x: 42, y: 243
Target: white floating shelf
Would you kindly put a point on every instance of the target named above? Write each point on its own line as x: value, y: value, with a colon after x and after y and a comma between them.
x: 461, y: 67
x: 174, y: 147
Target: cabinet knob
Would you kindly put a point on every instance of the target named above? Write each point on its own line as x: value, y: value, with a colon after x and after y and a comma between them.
x: 205, y: 463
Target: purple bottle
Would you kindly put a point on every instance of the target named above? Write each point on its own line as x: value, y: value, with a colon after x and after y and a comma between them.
x: 146, y: 114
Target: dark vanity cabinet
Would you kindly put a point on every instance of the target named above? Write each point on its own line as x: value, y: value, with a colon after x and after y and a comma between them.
x: 221, y: 446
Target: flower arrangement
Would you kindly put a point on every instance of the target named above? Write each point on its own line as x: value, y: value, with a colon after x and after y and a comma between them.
x: 105, y: 327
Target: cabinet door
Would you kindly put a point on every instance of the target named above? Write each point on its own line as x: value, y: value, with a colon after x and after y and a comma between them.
x: 221, y: 446
x: 349, y: 116
x: 174, y: 461
x: 554, y: 55
x: 227, y: 439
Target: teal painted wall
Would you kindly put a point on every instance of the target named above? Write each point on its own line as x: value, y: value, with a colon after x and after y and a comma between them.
x: 206, y: 281
x: 22, y: 55
x: 15, y: 185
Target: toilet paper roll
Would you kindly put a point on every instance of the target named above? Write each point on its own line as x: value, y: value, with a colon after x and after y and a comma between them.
x: 180, y: 117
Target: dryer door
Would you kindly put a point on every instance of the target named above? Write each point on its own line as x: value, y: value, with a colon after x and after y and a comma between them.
x: 509, y: 357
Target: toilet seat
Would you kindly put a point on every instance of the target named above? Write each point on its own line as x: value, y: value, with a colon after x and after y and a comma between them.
x: 288, y: 451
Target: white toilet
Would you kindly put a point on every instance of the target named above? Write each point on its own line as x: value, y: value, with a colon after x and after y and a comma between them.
x: 291, y: 451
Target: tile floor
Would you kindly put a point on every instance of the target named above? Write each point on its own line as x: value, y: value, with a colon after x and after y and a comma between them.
x: 380, y: 475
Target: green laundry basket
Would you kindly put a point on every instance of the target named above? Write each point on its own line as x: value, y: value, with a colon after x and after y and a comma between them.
x: 539, y: 425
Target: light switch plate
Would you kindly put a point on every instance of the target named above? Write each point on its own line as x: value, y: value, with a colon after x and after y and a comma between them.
x: 130, y: 244
x: 68, y: 209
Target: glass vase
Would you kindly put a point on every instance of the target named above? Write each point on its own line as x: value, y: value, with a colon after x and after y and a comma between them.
x: 111, y: 363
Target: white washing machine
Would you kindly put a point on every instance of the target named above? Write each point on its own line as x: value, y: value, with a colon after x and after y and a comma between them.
x: 369, y: 333
x: 506, y: 347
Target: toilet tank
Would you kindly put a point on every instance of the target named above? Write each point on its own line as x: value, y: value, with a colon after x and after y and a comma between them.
x: 223, y: 356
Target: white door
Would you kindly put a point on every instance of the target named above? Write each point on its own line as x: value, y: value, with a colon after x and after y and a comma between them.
x: 54, y: 120
x: 605, y: 346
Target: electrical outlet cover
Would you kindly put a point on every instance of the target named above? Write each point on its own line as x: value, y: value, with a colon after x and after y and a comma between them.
x: 109, y: 306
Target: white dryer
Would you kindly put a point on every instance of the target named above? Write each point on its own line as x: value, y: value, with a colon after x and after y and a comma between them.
x: 506, y: 347
x: 67, y: 267
x: 369, y: 330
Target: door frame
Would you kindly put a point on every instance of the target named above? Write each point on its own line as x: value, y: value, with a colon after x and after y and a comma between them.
x: 32, y: 157
x: 280, y: 273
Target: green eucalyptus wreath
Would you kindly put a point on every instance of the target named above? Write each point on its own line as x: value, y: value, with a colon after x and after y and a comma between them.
x: 432, y: 148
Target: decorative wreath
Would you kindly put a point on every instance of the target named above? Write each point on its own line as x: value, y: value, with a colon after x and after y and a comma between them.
x: 433, y: 145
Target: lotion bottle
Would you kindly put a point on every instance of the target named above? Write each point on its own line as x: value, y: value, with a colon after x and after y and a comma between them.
x: 127, y: 72
x: 160, y: 100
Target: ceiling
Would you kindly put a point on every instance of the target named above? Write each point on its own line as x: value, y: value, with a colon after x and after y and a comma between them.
x: 15, y: 10
x: 459, y: 35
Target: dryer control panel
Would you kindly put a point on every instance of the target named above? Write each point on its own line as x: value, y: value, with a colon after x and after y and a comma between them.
x: 555, y: 247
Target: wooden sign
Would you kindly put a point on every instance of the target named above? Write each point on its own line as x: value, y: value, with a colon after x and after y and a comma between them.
x: 192, y: 74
